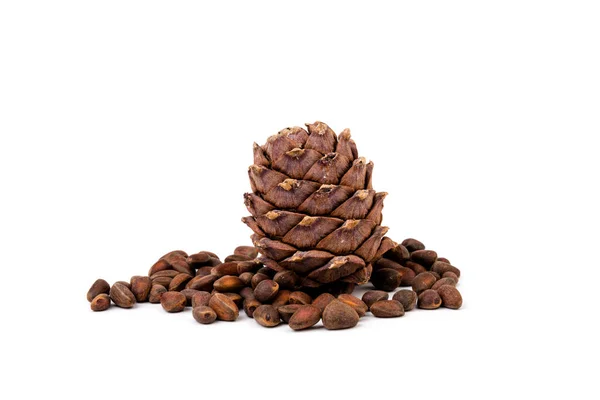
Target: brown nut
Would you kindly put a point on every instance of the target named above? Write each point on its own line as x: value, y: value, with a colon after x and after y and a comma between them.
x: 121, y: 295
x: 407, y: 298
x: 247, y: 266
x: 227, y: 268
x: 400, y: 254
x: 258, y: 278
x: 267, y: 316
x: 173, y: 301
x: 214, y: 262
x: 424, y: 257
x: 181, y: 265
x: 189, y: 294
x: 407, y: 273
x: 322, y: 300
x: 170, y: 273
x: 98, y: 287
x: 450, y: 296
x: 417, y: 268
x: 237, y: 257
x: 250, y: 305
x: 338, y: 315
x: 101, y: 302
x: 423, y: 281
x: 429, y: 300
x: 156, y: 293
x: 441, y: 267
x: 407, y: 276
x: 444, y: 259
x: 237, y: 299
x: 224, y: 307
x: 266, y: 290
x: 160, y: 265
x: 387, y: 309
x: 371, y: 296
x: 204, y: 315
x: 247, y: 293
x: 229, y: 283
x: 282, y: 298
x: 286, y: 312
x: 125, y: 283
x: 248, y: 251
x: 266, y: 271
x: 198, y: 260
x: 175, y: 254
x: 203, y: 271
x: 305, y: 317
x: 162, y: 280
x: 386, y: 279
x: 413, y: 245
x: 246, y: 278
x: 450, y: 274
x: 286, y: 279
x: 299, y: 297
x: 140, y: 287
x: 210, y: 253
x: 200, y: 298
x: 387, y: 263
x: 443, y: 281
x: 179, y: 282
x: 202, y: 283
x: 357, y: 304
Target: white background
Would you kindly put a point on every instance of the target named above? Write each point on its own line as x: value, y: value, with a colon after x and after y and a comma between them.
x: 127, y: 130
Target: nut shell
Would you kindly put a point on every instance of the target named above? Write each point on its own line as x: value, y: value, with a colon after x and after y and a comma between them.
x: 450, y: 296
x: 267, y: 316
x: 339, y: 315
x: 305, y: 317
x: 173, y: 302
x: 387, y: 309
x: 224, y: 307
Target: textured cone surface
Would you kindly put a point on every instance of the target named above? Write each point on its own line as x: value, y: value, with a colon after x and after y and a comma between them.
x: 313, y: 209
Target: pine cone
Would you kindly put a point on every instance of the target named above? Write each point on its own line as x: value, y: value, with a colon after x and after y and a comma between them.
x: 314, y: 211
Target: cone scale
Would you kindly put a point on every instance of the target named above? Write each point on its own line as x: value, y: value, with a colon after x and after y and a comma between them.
x: 313, y: 208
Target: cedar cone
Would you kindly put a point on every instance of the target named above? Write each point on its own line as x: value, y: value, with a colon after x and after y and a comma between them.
x: 314, y: 211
